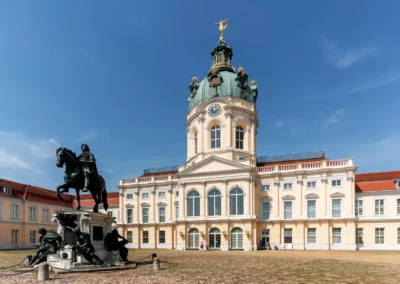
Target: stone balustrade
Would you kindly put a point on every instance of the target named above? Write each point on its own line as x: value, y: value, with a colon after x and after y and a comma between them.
x: 306, y: 166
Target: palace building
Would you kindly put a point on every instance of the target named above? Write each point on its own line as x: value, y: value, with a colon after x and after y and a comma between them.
x: 231, y: 198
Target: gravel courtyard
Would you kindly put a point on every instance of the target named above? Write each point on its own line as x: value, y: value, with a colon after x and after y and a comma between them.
x: 235, y: 267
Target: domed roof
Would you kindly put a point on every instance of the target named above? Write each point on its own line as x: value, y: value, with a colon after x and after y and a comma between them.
x: 222, y: 81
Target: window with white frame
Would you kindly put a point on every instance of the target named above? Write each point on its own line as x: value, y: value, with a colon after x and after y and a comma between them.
x: 265, y: 187
x: 311, y: 184
x: 379, y: 207
x: 359, y: 236
x: 265, y: 210
x: 398, y: 184
x: 161, y: 194
x: 7, y: 190
x: 145, y: 195
x: 15, y: 211
x: 336, y: 208
x: 129, y: 196
x: 287, y: 209
x: 129, y: 236
x: 215, y: 137
x: 176, y: 212
x: 145, y: 237
x: 214, y: 202
x: 287, y: 186
x: 359, y: 210
x: 161, y: 237
x: 287, y: 236
x: 311, y: 235
x: 145, y: 215
x: 46, y: 215
x: 311, y: 209
x: 398, y: 206
x: 129, y: 215
x: 336, y: 182
x: 161, y: 214
x: 236, y: 200
x: 239, y: 137
x: 177, y: 193
x: 193, y: 204
x: 336, y: 235
x: 32, y: 237
x: 14, y: 237
x: 379, y: 236
x: 32, y: 214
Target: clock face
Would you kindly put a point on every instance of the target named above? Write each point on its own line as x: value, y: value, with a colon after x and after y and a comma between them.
x: 214, y: 110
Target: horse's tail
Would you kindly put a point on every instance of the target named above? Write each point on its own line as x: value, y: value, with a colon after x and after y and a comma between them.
x: 104, y: 194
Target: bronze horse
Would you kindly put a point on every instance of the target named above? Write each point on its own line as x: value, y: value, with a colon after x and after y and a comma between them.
x: 74, y: 178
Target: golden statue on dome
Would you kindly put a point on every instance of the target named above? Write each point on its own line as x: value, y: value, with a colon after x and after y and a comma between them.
x: 222, y: 26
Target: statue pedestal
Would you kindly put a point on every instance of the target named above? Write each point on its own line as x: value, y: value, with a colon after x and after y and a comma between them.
x: 97, y: 225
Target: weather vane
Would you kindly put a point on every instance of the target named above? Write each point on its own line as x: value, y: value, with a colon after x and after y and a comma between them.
x: 222, y: 26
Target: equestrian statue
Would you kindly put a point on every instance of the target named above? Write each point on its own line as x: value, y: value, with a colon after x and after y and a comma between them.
x: 81, y: 174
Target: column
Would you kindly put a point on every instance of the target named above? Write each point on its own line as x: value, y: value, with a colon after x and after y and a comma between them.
x: 122, y: 207
x: 228, y: 142
x: 153, y: 206
x: 278, y: 201
x: 325, y: 183
x: 182, y: 201
x: 203, y: 202
x: 136, y: 215
x: 224, y: 199
x: 170, y: 205
x: 200, y: 145
x: 350, y: 179
x: 300, y: 200
x: 252, y: 136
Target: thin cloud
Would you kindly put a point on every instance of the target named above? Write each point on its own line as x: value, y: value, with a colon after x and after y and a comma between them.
x: 343, y: 57
x: 89, y: 136
x: 334, y: 118
x: 280, y: 124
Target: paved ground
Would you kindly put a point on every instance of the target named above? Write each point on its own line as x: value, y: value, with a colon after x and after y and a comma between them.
x: 235, y: 267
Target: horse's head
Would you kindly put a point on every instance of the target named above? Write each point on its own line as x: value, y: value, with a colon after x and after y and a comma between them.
x: 60, y: 153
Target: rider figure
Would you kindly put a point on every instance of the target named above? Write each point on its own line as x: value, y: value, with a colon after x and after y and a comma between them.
x: 88, y: 163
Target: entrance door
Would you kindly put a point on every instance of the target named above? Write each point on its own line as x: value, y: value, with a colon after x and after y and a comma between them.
x: 237, y: 238
x: 215, y: 239
x: 265, y: 238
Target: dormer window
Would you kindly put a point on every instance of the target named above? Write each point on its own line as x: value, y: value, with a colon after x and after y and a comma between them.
x: 398, y: 183
x: 7, y: 190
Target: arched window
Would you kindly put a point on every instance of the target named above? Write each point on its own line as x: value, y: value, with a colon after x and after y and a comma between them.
x: 237, y: 238
x: 215, y: 238
x: 193, y: 204
x: 236, y: 199
x: 194, y: 238
x: 215, y: 137
x: 239, y: 137
x: 214, y: 203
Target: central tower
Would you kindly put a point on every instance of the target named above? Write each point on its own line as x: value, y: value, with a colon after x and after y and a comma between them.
x: 222, y: 118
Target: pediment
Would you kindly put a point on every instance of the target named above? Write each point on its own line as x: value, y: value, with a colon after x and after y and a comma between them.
x: 161, y: 204
x: 144, y: 204
x: 337, y: 194
x: 266, y: 198
x: 312, y: 196
x: 288, y: 197
x: 129, y: 206
x: 214, y: 164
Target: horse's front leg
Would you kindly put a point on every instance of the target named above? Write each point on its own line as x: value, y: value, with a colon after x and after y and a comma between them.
x: 96, y: 201
x: 78, y: 199
x: 64, y: 187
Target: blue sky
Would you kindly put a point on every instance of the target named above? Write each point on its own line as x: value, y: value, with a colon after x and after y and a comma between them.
x: 116, y: 77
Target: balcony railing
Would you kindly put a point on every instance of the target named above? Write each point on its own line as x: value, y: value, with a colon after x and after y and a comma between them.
x: 306, y: 166
x: 148, y: 179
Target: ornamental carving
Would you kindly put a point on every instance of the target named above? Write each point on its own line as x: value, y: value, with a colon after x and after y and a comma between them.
x: 241, y: 78
x: 193, y: 86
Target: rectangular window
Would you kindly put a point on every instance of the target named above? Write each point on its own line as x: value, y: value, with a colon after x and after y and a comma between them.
x: 176, y: 213
x: 129, y: 215
x: 129, y: 196
x: 311, y: 209
x: 398, y: 183
x: 265, y: 209
x: 161, y: 214
x: 287, y: 236
x: 177, y: 193
x: 129, y: 237
x: 336, y: 208
x: 46, y: 215
x: 265, y: 187
x: 14, y: 237
x: 215, y: 137
x: 311, y: 184
x: 7, y: 190
x: 398, y: 206
x: 336, y: 182
x: 145, y: 237
x: 161, y: 194
x: 288, y: 207
x: 287, y: 186
x: 110, y: 213
x: 311, y: 235
x: 359, y: 236
x: 145, y: 195
x: 161, y: 237
x: 379, y: 236
x: 15, y: 212
x: 145, y: 215
x: 336, y: 235
x: 32, y: 214
x: 359, y: 208
x: 379, y: 207
x: 32, y: 237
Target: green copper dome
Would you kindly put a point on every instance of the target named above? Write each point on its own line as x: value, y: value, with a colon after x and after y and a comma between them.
x: 222, y: 81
